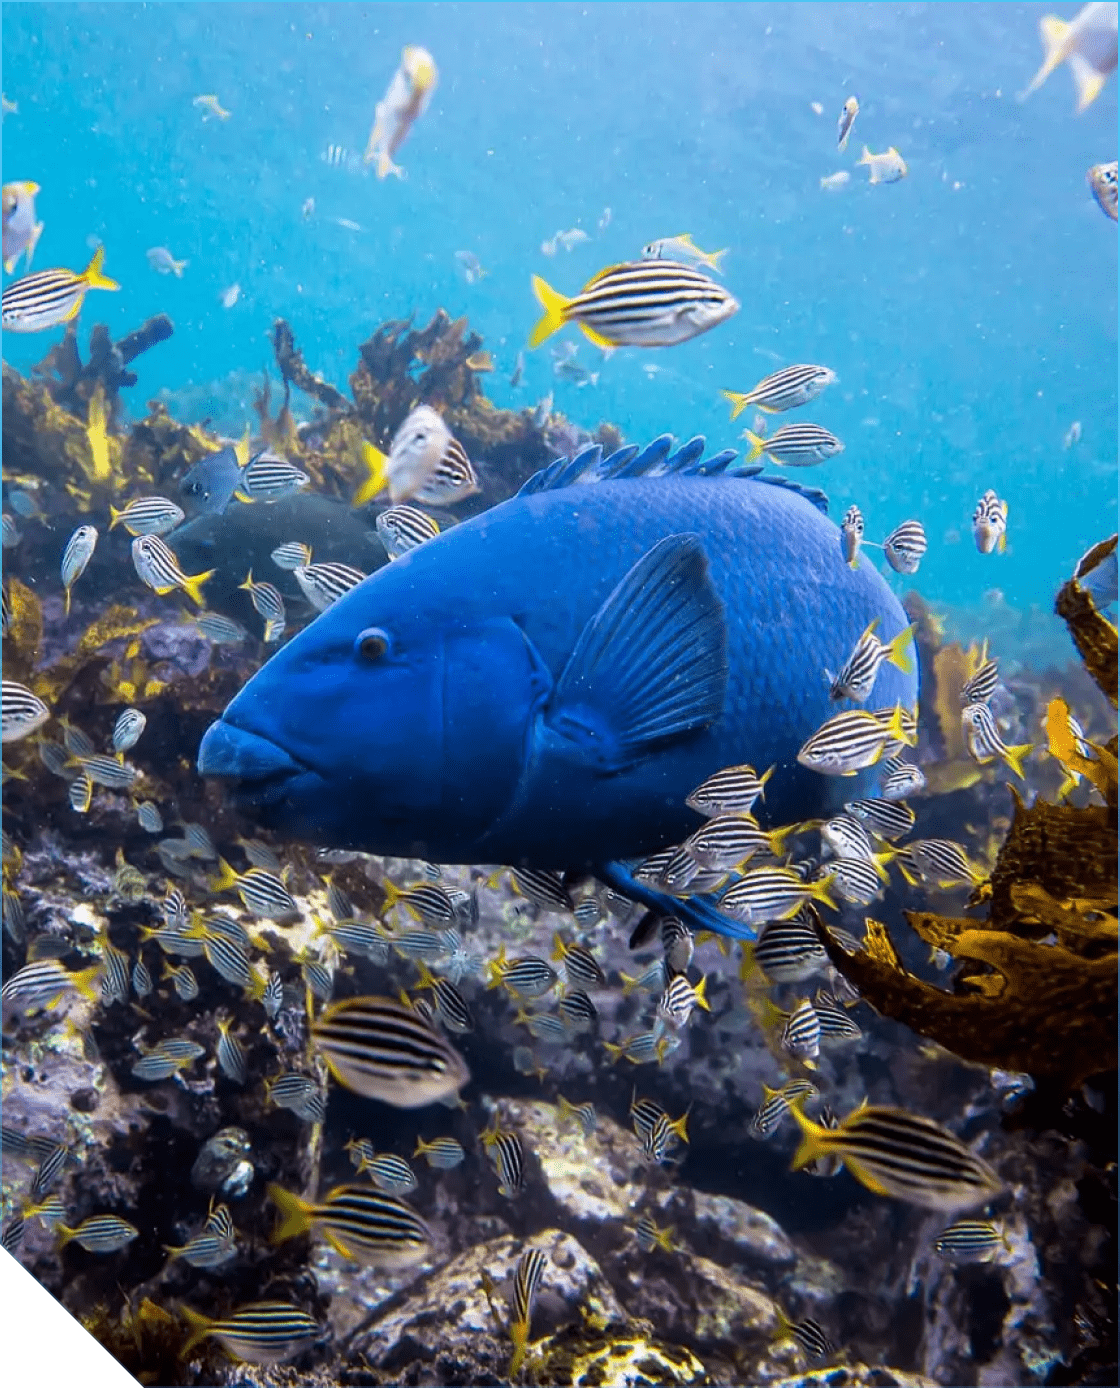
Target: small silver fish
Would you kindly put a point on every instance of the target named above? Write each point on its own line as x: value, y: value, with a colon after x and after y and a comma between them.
x: 128, y: 729
x: 157, y: 566
x: 147, y: 515
x: 847, y: 119
x: 324, y: 584
x: 904, y: 546
x: 989, y: 523
x: 76, y: 556
x: 888, y: 167
x: 851, y: 536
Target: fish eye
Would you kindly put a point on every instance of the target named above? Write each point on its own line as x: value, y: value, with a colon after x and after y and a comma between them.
x: 371, y: 643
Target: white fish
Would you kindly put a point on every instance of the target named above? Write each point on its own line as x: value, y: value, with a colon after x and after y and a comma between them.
x: 161, y: 260
x: 231, y: 295
x: 472, y: 266
x: 210, y: 106
x: 847, y: 120
x: 1072, y: 435
x: 605, y: 219
x: 832, y: 183
x: 884, y: 168
x: 567, y: 239
x: 685, y: 250
x: 1087, y: 44
x: 407, y: 97
x: 347, y: 224
x: 21, y: 230
x: 308, y: 209
x: 425, y: 463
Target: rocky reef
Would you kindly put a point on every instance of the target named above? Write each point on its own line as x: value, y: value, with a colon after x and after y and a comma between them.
x: 996, y: 1018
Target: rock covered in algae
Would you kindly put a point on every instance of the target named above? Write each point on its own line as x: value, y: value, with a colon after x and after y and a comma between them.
x: 856, y: 1376
x: 448, y: 1331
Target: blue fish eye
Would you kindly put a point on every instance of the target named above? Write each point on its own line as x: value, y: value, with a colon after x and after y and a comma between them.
x: 371, y: 643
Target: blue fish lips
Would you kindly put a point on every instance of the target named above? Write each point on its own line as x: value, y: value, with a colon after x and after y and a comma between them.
x: 262, y: 769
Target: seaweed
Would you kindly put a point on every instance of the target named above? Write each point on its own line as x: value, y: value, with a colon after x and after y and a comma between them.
x: 1037, y: 988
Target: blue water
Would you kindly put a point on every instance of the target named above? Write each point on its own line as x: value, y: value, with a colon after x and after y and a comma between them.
x: 969, y: 310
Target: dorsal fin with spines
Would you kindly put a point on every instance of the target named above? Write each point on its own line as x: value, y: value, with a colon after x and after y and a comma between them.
x: 657, y: 459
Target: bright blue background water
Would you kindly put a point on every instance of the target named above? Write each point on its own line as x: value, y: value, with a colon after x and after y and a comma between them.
x: 970, y: 310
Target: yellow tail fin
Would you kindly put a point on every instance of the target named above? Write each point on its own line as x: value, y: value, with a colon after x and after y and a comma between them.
x: 92, y: 273
x: 819, y: 891
x: 225, y: 879
x: 699, y: 995
x: 555, y: 311
x: 1015, y: 756
x: 295, y: 1213
x: 712, y: 260
x: 898, y: 651
x: 200, y: 1328
x: 1086, y: 79
x: 376, y: 464
x: 814, y: 1141
x: 739, y: 402
x: 192, y: 584
x: 758, y: 446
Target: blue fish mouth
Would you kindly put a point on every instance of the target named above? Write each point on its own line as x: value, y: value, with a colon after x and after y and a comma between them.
x: 262, y: 771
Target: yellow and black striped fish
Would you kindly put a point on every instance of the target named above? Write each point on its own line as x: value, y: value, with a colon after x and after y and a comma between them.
x: 50, y: 297
x: 640, y: 303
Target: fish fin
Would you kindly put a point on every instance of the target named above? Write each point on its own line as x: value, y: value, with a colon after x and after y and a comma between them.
x: 864, y: 1177
x: 192, y: 584
x: 1052, y: 31
x: 699, y: 992
x: 68, y: 599
x: 600, y: 341
x: 115, y: 515
x: 713, y: 258
x: 200, y: 1328
x: 92, y: 273
x: 739, y: 402
x: 241, y: 450
x: 32, y: 242
x: 650, y: 665
x: 1014, y: 757
x: 10, y: 264
x: 226, y: 878
x: 1088, y: 81
x: 555, y: 307
x: 377, y: 465
x: 758, y: 446
x: 294, y: 1213
x: 697, y: 912
x: 814, y: 1138
x: 898, y: 650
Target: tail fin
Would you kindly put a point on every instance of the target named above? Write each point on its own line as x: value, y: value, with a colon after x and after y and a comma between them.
x: 377, y: 466
x: 192, y: 584
x: 813, y: 1137
x: 555, y: 311
x: 758, y: 446
x: 819, y: 891
x: 898, y: 650
x: 712, y: 260
x: 1088, y: 81
x: 225, y: 879
x: 1052, y: 31
x: 295, y: 1213
x: 1015, y: 756
x: 200, y: 1328
x: 739, y: 402
x: 92, y: 273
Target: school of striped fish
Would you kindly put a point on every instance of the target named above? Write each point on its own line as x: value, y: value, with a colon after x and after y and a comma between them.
x: 295, y: 982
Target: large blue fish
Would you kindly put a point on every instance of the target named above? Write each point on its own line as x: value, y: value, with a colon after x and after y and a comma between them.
x: 544, y: 684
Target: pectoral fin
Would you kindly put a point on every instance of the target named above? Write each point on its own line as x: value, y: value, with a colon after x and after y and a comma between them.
x: 650, y: 665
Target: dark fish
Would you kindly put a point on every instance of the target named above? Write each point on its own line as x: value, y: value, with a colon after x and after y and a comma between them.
x: 526, y: 1282
x: 506, y: 1152
x: 789, y: 951
x: 211, y: 482
x: 971, y: 1241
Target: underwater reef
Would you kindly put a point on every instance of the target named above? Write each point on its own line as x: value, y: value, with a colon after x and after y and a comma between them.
x: 711, y: 1262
